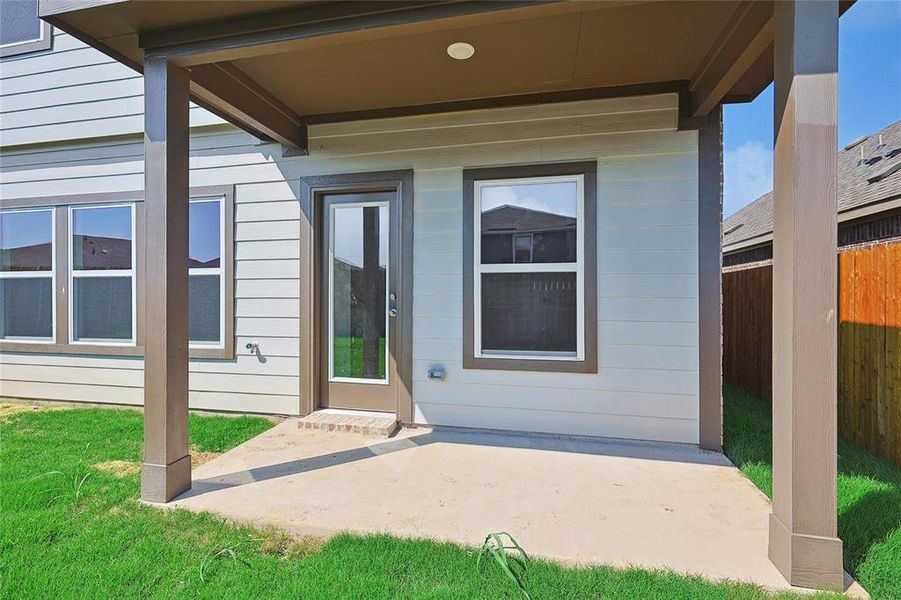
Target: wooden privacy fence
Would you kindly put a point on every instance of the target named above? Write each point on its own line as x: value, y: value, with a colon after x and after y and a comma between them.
x: 869, y: 342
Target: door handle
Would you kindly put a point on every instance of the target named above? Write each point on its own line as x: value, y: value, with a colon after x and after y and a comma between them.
x: 392, y: 312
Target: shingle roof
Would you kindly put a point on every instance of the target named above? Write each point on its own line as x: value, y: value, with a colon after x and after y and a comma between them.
x: 511, y: 219
x: 867, y: 172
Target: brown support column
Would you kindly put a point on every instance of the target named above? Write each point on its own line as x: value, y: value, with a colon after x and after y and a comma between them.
x: 166, y: 471
x: 710, y: 293
x: 803, y: 531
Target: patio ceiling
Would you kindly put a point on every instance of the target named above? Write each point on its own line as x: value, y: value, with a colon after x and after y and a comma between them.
x: 274, y: 66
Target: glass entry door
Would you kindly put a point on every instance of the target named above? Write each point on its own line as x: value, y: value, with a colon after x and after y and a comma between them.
x: 359, y: 306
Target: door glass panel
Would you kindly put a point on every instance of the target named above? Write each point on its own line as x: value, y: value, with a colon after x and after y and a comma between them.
x: 359, y: 277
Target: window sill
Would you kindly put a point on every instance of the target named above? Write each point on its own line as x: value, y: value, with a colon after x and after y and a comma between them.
x: 101, y: 350
x: 589, y: 365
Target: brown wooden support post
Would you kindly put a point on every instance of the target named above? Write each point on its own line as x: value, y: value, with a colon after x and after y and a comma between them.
x: 166, y: 471
x: 710, y: 290
x: 803, y: 542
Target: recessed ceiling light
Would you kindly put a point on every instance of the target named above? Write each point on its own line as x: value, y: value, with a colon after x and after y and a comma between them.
x: 460, y: 50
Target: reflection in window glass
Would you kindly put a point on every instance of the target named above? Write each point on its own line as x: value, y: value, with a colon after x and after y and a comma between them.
x: 522, y: 248
x: 529, y: 270
x: 358, y: 291
x: 529, y: 222
x: 26, y: 275
x: 204, y: 234
x: 101, y: 238
x: 205, y: 293
x: 102, y: 308
x: 529, y: 312
x: 26, y: 240
x: 27, y: 306
x: 19, y: 22
x: 204, y: 308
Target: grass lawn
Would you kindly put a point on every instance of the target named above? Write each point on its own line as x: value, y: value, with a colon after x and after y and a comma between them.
x: 71, y: 526
x: 348, y: 357
x: 869, y: 493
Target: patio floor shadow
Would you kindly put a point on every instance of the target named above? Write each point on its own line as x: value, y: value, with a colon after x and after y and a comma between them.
x: 578, y: 501
x: 417, y: 438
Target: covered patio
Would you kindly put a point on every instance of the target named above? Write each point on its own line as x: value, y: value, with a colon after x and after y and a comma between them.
x: 376, y: 60
x: 578, y: 501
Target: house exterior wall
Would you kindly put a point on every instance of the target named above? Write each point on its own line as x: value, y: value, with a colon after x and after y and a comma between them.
x: 72, y: 92
x: 647, y: 381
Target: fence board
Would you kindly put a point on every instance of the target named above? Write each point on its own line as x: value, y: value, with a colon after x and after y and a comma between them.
x: 869, y: 342
x: 747, y: 329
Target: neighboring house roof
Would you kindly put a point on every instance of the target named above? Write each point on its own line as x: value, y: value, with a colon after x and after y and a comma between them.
x: 516, y: 219
x: 98, y: 253
x: 869, y: 172
x: 104, y: 252
x: 27, y: 258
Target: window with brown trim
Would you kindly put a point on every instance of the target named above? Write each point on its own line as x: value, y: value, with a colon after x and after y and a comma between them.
x: 71, y: 274
x: 530, y: 267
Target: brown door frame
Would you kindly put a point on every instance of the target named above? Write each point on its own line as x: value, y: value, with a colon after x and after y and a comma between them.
x: 355, y: 394
x: 312, y: 188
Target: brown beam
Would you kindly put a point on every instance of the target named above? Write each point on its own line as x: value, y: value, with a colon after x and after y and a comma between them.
x: 747, y: 34
x: 166, y: 471
x: 710, y: 296
x: 230, y: 91
x: 803, y: 542
x: 275, y: 32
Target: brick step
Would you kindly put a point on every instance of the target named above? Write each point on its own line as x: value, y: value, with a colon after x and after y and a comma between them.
x: 351, y: 421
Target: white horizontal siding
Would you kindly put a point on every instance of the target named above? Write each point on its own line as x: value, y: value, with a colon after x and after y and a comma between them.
x: 549, y: 420
x: 646, y: 386
x: 72, y: 92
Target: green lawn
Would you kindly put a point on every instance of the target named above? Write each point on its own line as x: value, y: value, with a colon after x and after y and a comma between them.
x: 869, y: 493
x: 71, y: 527
x: 348, y: 357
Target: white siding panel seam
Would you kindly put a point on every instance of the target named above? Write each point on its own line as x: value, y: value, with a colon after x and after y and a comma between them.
x: 114, y: 149
x: 25, y: 89
x: 32, y: 109
x: 555, y: 410
x: 91, y: 62
x: 499, y: 122
x: 439, y: 147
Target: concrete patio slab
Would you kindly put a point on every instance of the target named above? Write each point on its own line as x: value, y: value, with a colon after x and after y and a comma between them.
x: 573, y: 500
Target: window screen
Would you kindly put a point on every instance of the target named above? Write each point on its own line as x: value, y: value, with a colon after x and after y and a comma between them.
x: 26, y: 275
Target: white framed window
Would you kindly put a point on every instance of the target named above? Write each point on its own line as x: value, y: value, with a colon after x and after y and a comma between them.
x: 102, y: 283
x: 206, y: 280
x: 79, y: 260
x: 21, y: 30
x: 27, y: 275
x: 528, y: 301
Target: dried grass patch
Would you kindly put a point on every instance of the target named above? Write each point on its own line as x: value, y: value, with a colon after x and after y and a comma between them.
x: 284, y: 545
x: 8, y: 409
x: 198, y: 457
x: 119, y: 468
